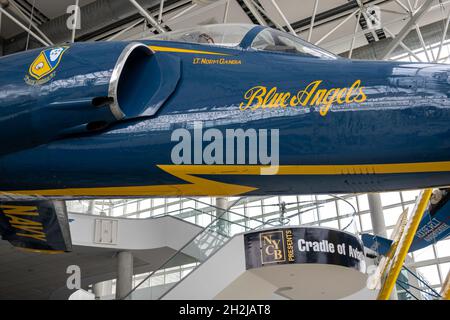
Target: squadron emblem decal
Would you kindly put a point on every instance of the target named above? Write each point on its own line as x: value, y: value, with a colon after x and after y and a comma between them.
x: 43, y: 67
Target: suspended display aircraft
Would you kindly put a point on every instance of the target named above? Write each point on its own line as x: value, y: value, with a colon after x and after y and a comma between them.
x: 218, y: 110
x: 434, y: 226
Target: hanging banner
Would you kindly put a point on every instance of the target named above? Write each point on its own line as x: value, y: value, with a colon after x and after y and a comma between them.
x: 303, y: 245
x: 37, y: 225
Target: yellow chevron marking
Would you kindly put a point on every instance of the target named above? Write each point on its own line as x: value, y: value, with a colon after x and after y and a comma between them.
x: 204, y: 187
x: 171, y: 49
x: 41, y: 251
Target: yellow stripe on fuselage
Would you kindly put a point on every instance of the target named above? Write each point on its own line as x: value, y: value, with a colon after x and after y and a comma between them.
x: 180, y: 50
x: 41, y: 251
x: 197, y: 185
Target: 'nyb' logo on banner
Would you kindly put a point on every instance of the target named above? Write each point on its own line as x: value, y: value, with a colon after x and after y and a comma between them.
x: 44, y: 65
x: 272, y: 247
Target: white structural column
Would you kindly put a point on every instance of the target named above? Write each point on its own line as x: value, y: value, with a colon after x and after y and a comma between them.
x: 378, y: 224
x: 376, y: 214
x: 222, y: 207
x: 124, y: 274
x: 102, y: 289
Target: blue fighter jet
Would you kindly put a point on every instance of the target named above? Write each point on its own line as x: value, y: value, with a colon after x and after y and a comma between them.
x: 218, y: 110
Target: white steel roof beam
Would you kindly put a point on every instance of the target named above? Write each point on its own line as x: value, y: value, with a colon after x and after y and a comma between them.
x: 28, y: 20
x: 406, y: 29
x: 313, y: 19
x: 338, y: 26
x: 6, y: 13
x: 147, y: 16
x: 255, y: 12
x: 280, y: 12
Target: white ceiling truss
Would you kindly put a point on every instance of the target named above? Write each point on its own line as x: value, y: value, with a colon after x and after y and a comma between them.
x: 341, y: 26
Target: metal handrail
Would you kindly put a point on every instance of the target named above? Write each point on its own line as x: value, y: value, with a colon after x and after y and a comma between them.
x: 422, y: 281
x: 214, y: 222
x: 399, y: 282
x: 406, y: 290
x: 223, y: 211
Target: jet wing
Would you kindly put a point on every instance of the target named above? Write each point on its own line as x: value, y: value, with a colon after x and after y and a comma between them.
x: 40, y: 226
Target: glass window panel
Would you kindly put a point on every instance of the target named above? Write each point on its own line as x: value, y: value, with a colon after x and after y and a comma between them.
x: 234, y: 229
x: 345, y: 208
x: 354, y: 226
x: 389, y: 198
x: 330, y: 224
x: 443, y: 248
x: 276, y: 41
x: 289, y: 199
x: 158, y: 211
x: 254, y: 211
x: 173, y: 277
x: 173, y: 207
x: 291, y: 209
x: 253, y: 224
x: 272, y: 217
x: 410, y: 195
x: 363, y: 202
x: 327, y: 210
x: 271, y: 208
x: 306, y: 199
x: 214, y: 34
x: 185, y: 272
x: 239, y: 212
x: 389, y: 233
x: 308, y: 217
x: 422, y: 56
x: 190, y: 219
x: 117, y: 211
x: 145, y: 214
x: 131, y: 207
x: 157, y: 280
x: 294, y: 221
x: 271, y: 200
x: 324, y: 197
x: 445, y: 269
x: 158, y: 202
x: 189, y: 204
x: 430, y: 274
x: 391, y: 215
x: 424, y: 254
x: 208, y: 200
x: 410, y: 207
x: 202, y: 219
x: 145, y: 204
x: 366, y: 222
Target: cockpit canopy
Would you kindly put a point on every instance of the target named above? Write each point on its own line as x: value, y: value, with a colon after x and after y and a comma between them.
x: 232, y: 35
x: 228, y: 35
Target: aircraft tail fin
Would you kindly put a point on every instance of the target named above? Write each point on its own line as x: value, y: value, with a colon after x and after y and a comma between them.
x: 376, y: 243
x: 39, y: 226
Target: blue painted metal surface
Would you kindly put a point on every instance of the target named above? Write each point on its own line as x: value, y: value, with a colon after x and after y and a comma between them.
x: 403, y: 120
